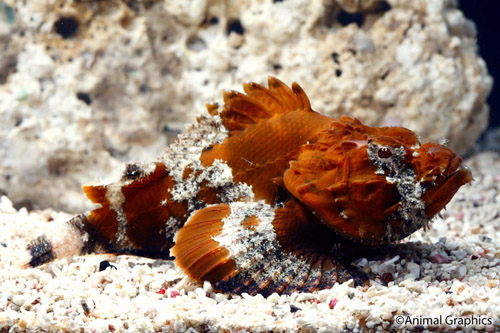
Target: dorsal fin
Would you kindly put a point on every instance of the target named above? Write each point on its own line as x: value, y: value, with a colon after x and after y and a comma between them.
x: 259, y: 102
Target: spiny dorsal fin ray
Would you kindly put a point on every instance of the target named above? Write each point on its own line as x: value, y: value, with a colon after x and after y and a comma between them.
x: 241, y: 110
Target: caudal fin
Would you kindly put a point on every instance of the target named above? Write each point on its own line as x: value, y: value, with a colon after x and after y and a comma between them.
x: 66, y: 240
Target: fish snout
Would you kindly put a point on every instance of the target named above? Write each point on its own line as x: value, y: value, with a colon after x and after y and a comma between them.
x: 443, y: 174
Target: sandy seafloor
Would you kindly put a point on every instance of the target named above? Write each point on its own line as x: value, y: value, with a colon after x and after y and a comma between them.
x: 442, y: 278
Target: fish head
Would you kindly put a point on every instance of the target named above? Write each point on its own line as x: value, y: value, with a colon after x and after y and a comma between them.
x: 374, y: 185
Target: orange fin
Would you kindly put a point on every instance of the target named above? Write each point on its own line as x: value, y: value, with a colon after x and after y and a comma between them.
x: 195, y: 250
x: 253, y: 247
x: 104, y: 219
x: 137, y: 214
x: 96, y: 193
x: 241, y: 110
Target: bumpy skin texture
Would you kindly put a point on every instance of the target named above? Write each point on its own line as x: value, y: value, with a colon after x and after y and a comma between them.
x: 267, y: 196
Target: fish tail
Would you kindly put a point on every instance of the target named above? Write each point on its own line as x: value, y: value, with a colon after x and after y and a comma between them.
x: 66, y: 240
x: 137, y: 216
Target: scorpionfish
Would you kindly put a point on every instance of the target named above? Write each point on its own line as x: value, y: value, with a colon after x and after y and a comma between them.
x: 265, y: 195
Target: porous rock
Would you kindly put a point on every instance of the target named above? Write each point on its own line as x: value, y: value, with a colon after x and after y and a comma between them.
x: 85, y: 85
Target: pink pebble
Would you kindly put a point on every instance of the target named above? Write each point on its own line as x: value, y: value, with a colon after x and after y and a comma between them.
x: 333, y: 302
x: 440, y: 259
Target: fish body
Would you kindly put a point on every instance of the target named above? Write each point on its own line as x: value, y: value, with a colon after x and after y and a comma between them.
x: 265, y: 195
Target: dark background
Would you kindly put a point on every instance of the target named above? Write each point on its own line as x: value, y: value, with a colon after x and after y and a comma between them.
x: 486, y: 16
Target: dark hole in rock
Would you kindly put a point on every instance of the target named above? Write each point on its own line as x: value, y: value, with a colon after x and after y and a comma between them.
x: 84, y: 97
x: 381, y: 7
x: 67, y: 27
x: 335, y: 57
x: 209, y: 20
x: 346, y: 18
x: 384, y: 75
x: 274, y: 1
x: 57, y: 166
x: 338, y: 72
x: 277, y: 67
x: 235, y: 26
x: 195, y: 43
x: 7, y: 66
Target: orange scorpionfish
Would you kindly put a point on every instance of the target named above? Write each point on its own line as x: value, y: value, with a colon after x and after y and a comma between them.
x: 265, y: 196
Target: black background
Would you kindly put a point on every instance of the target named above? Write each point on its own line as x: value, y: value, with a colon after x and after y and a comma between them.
x: 486, y: 16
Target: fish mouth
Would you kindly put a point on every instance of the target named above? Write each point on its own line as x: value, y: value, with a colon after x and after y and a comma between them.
x: 436, y: 196
x: 440, y: 193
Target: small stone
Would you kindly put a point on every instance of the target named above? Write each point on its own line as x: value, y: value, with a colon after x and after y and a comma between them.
x: 387, y: 277
x: 459, y: 254
x: 19, y: 300
x: 440, y: 258
x: 462, y: 270
x: 414, y: 269
x: 491, y: 283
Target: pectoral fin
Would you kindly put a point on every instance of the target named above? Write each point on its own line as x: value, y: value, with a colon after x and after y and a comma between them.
x: 196, y: 251
x: 255, y: 248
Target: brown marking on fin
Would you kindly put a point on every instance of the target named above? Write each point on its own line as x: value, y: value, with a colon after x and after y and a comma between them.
x: 302, y: 96
x: 314, y: 277
x: 147, y: 207
x: 195, y: 250
x: 144, y: 212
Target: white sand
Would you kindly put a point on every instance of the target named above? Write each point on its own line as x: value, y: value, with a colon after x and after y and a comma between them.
x: 447, y: 275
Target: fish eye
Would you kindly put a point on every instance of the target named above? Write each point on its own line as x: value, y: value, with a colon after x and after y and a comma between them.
x: 384, y: 152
